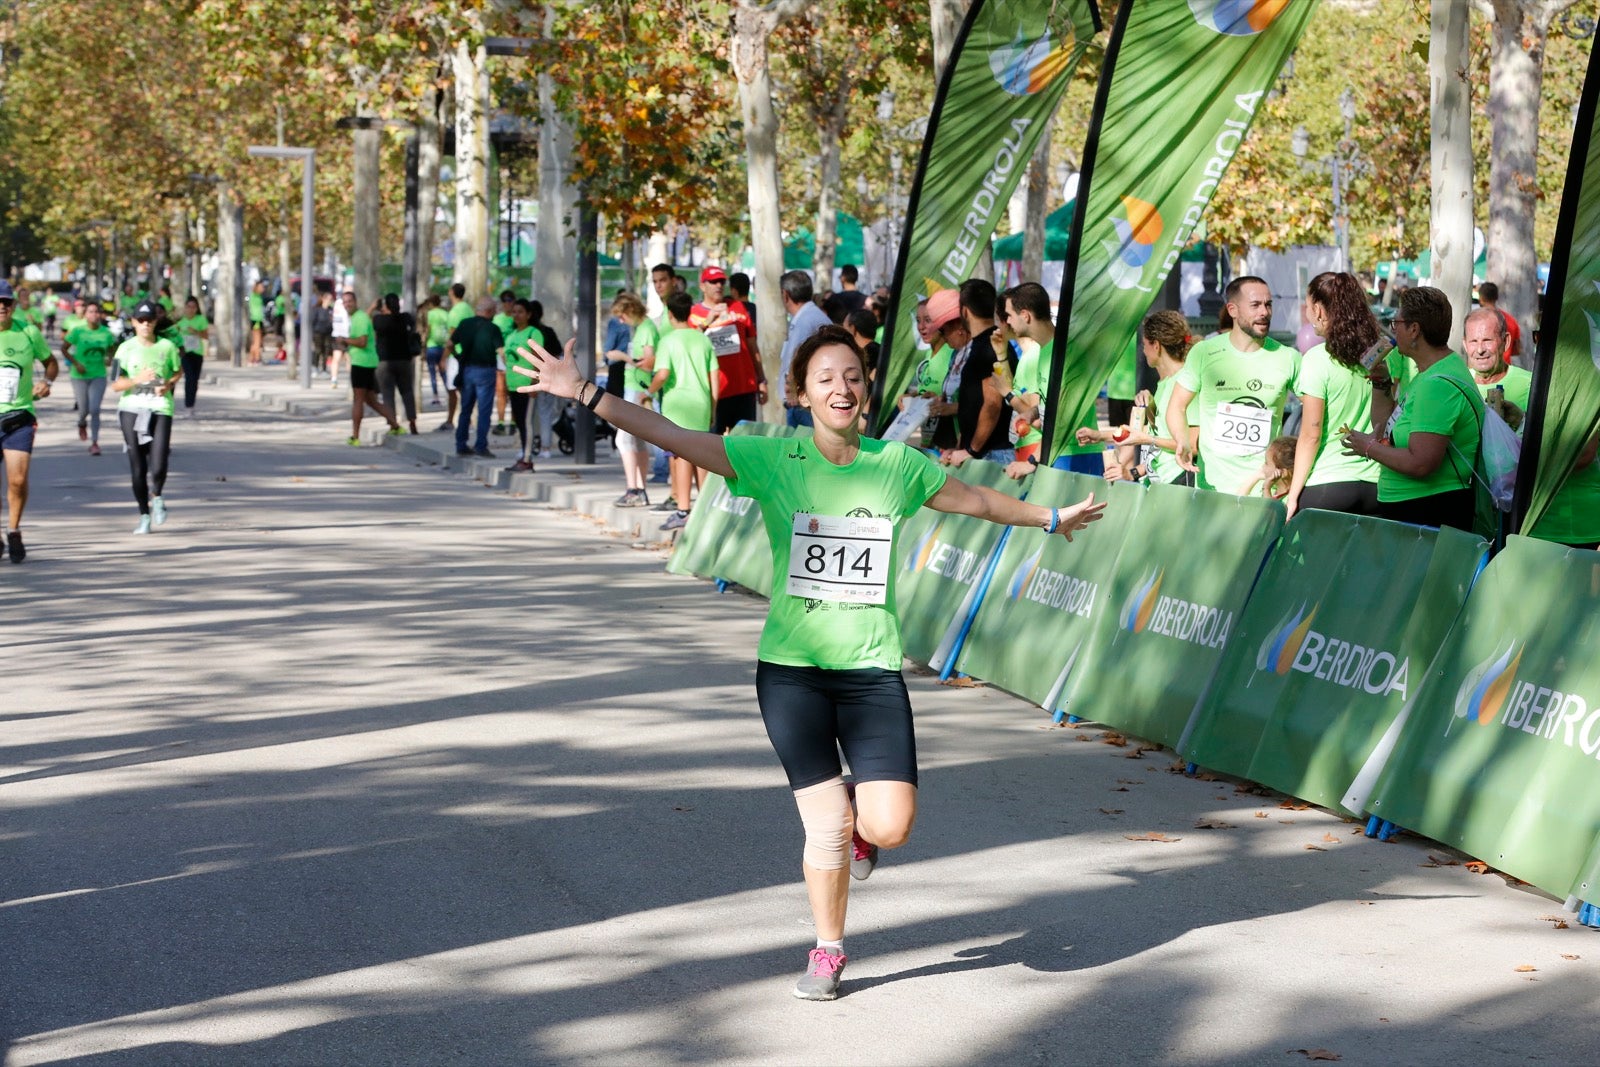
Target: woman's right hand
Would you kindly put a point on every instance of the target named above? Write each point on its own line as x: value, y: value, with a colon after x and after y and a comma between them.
x: 552, y: 374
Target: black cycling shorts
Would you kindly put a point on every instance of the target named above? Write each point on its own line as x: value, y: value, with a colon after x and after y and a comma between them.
x: 813, y: 714
x: 732, y: 410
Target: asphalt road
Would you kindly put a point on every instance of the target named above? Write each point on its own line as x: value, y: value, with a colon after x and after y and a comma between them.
x: 355, y: 762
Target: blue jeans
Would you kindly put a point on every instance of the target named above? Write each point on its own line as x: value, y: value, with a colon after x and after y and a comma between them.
x: 796, y: 416
x: 1082, y: 462
x: 477, y: 389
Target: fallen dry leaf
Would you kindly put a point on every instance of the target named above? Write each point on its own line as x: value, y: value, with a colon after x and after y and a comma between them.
x: 1330, y: 837
x: 1293, y: 805
x: 1315, y: 848
x: 1381, y: 1019
x: 1261, y: 815
x: 1440, y: 861
x: 957, y: 682
x: 1221, y: 796
x: 1212, y: 824
x: 1524, y: 968
x: 1111, y: 737
x: 1205, y: 776
x: 1251, y: 788
x: 1137, y: 753
x: 1561, y: 924
x: 1318, y: 1054
x: 1153, y: 835
x: 1111, y: 811
x: 1120, y: 789
x: 1130, y: 781
x: 1287, y: 822
x: 1142, y: 749
x: 1084, y: 737
x: 1570, y: 956
x: 1476, y: 866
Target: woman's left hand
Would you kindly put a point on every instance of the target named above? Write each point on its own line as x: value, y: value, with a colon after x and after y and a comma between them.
x: 1357, y: 443
x: 551, y: 374
x: 1069, y: 520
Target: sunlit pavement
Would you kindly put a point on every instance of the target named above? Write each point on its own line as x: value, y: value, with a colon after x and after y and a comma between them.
x: 357, y: 762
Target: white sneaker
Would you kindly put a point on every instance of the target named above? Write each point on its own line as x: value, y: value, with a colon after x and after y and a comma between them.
x: 158, y: 511
x: 144, y: 525
x: 545, y: 454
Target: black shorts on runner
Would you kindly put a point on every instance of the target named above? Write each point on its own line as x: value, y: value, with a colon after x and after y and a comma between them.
x: 811, y: 714
x: 732, y: 410
x: 364, y: 378
x: 19, y: 438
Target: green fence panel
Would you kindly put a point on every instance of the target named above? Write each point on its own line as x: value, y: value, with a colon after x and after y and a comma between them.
x: 1180, y: 583
x: 725, y: 538
x: 1048, y: 593
x: 1498, y: 752
x: 1339, y: 632
x: 942, y: 558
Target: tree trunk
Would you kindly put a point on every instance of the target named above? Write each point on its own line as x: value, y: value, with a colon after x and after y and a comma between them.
x: 178, y: 226
x: 427, y: 196
x: 1451, y: 159
x: 228, y: 285
x: 1516, y: 79
x: 555, y: 242
x: 364, y: 253
x: 751, y: 28
x: 1038, y: 206
x: 472, y: 170
x: 830, y: 133
x: 197, y: 250
x: 945, y: 18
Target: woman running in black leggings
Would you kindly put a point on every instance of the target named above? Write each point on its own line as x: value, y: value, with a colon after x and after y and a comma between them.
x: 828, y: 678
x: 147, y: 367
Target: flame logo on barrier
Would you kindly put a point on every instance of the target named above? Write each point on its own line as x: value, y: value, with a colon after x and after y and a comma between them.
x: 1025, y: 69
x: 1484, y: 691
x: 1279, y: 650
x: 1141, y: 604
x: 1025, y: 574
x: 922, y: 550
x: 1137, y: 232
x: 1237, y: 18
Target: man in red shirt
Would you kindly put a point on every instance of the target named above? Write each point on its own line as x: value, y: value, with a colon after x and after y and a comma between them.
x: 741, y: 383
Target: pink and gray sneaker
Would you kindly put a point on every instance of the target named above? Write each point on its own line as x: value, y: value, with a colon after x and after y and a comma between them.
x: 821, y: 978
x: 863, y: 857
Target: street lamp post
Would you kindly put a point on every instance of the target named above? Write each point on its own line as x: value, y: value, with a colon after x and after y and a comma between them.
x: 1340, y: 164
x: 307, y: 217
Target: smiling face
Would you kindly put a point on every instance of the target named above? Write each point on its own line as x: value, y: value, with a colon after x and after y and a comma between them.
x: 835, y: 387
x: 1484, y: 344
x: 1252, y: 309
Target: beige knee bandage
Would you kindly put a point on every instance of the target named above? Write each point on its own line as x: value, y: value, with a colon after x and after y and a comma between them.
x: 826, y: 815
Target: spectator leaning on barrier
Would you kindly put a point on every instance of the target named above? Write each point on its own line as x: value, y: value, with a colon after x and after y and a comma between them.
x: 1487, y: 347
x: 686, y: 381
x: 805, y: 319
x: 1430, y: 445
x: 1143, y: 452
x: 982, y: 430
x: 1025, y: 314
x: 1335, y: 396
x: 1239, y: 378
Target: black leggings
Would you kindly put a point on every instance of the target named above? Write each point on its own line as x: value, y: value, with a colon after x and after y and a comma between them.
x: 519, y: 415
x: 191, y: 376
x: 1455, y: 508
x: 148, y: 461
x: 811, y: 714
x: 1352, y: 498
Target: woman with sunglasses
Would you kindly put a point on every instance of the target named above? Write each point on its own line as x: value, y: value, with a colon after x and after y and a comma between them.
x: 146, y: 369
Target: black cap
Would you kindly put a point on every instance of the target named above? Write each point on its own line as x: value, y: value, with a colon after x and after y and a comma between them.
x: 147, y: 309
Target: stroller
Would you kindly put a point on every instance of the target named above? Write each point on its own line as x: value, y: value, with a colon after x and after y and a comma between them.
x: 567, y: 425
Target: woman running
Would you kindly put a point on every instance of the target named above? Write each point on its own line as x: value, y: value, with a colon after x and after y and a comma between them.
x: 828, y: 674
x: 192, y: 330
x: 85, y: 348
x: 146, y: 369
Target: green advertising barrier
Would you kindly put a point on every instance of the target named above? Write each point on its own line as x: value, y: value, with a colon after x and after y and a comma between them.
x: 1182, y: 579
x: 1338, y: 634
x: 1048, y: 593
x: 725, y: 538
x: 942, y: 557
x: 1496, y: 752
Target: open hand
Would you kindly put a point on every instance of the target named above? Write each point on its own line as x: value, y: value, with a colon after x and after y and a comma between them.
x: 1078, y: 517
x: 551, y: 374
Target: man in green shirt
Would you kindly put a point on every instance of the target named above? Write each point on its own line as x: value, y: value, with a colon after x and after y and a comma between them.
x: 1487, y: 346
x: 1240, y: 380
x: 21, y: 345
x: 364, y: 371
x: 460, y: 311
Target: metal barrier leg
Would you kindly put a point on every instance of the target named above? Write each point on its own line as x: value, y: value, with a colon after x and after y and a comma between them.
x: 722, y: 584
x: 1373, y: 822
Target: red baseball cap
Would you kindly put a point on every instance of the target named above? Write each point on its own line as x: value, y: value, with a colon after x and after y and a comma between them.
x: 713, y: 274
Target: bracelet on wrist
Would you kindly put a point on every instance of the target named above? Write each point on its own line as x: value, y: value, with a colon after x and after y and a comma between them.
x: 1055, y: 521
x: 594, y: 396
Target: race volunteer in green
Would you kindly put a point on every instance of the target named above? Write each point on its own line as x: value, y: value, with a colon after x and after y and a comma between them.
x: 192, y: 350
x: 1335, y: 395
x: 828, y: 677
x: 1487, y: 348
x: 518, y: 335
x: 1239, y: 378
x: 364, y: 371
x: 146, y: 368
x: 86, y: 349
x: 1430, y: 443
x: 21, y: 346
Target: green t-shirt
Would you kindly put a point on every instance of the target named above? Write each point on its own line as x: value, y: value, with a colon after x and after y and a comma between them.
x: 1439, y: 400
x: 258, y: 311
x: 637, y: 379
x: 1348, y: 399
x: 1573, y: 517
x: 932, y: 371
x: 506, y: 323
x: 788, y: 476
x: 193, y: 334
x: 691, y: 366
x: 166, y: 302
x: 459, y: 312
x: 20, y: 346
x: 90, y: 348
x: 135, y: 357
x: 516, y: 341
x: 72, y: 322
x: 1517, y: 383
x: 361, y: 326
x: 438, y: 327
x: 128, y: 301
x: 1231, y: 444
x: 1161, y: 465
x: 32, y: 315
x: 1028, y: 380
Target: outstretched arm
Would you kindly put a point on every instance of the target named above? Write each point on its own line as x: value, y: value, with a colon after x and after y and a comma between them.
x: 560, y: 377
x: 959, y: 498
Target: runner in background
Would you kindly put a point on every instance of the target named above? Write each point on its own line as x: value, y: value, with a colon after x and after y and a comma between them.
x: 828, y: 677
x: 147, y: 367
x: 192, y: 330
x: 86, y: 349
x: 1240, y: 379
x: 21, y: 347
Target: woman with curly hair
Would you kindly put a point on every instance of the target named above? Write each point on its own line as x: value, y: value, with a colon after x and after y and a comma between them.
x: 1335, y: 395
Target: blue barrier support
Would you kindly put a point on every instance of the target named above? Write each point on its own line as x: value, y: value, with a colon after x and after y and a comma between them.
x: 977, y: 603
